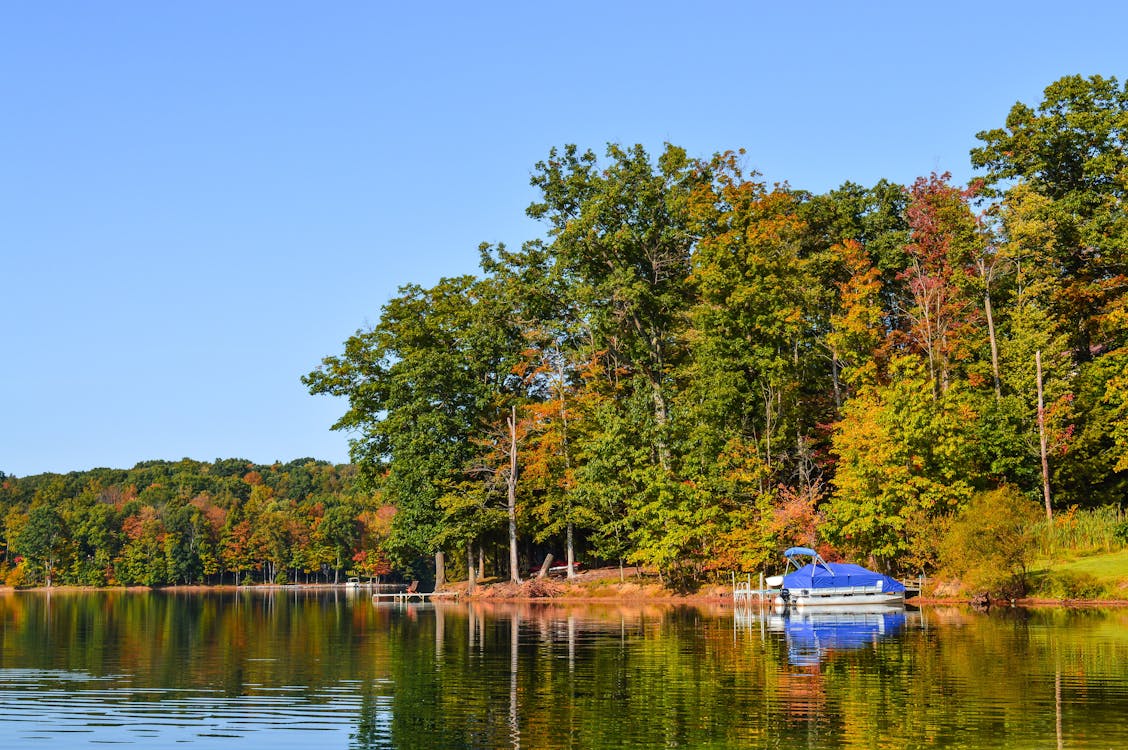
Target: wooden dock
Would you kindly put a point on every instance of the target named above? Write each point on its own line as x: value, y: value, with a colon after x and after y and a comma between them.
x: 421, y: 596
x: 913, y: 588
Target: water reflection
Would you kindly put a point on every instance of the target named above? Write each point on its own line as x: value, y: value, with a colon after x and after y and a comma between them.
x: 813, y: 635
x: 66, y: 708
x: 254, y: 669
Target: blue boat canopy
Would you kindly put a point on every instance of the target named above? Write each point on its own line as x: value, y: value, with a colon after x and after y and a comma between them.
x: 819, y: 574
x: 825, y: 575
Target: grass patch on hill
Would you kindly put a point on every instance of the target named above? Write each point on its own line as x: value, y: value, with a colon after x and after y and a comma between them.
x: 1093, y: 576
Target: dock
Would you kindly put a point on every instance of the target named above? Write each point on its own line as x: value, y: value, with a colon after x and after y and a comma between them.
x: 743, y: 593
x: 913, y: 588
x: 422, y: 596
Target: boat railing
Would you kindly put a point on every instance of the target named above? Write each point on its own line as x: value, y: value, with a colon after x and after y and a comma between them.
x: 746, y: 591
x: 840, y: 590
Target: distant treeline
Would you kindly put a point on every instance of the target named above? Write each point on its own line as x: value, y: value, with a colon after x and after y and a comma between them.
x: 693, y: 369
x: 163, y: 522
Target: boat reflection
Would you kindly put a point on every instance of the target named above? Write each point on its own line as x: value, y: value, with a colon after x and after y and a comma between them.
x: 812, y: 633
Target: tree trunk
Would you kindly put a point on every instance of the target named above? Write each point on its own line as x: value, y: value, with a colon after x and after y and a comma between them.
x: 654, y: 371
x: 994, y: 345
x: 571, y: 552
x: 661, y: 416
x: 836, y: 381
x: 1042, y: 439
x: 511, y: 497
x: 470, y: 580
x: 545, y: 566
x: 440, y: 570
x: 481, y: 562
x: 769, y: 396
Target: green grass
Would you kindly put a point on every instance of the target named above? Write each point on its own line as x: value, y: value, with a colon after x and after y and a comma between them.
x: 1095, y: 576
x: 1108, y: 567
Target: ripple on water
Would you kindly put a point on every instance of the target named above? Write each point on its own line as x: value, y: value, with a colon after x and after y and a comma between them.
x: 61, y: 707
x: 233, y: 675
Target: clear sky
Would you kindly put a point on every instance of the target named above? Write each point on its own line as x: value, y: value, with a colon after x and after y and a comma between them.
x: 200, y: 200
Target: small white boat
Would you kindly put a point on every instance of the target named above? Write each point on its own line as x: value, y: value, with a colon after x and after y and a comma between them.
x: 819, y: 583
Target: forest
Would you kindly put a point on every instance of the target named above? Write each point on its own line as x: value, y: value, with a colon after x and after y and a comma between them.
x: 187, y: 522
x: 690, y: 370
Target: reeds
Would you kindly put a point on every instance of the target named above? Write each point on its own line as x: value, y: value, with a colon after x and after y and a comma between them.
x: 1080, y: 532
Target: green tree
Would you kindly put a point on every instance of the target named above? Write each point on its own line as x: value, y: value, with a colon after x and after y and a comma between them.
x: 1116, y: 398
x: 338, y: 532
x: 42, y: 540
x: 609, y: 454
x: 421, y: 386
x: 622, y: 236
x: 874, y: 218
x: 95, y: 529
x: 143, y: 558
x: 1072, y: 152
x: 1084, y: 432
x: 184, y: 529
x: 750, y: 326
x: 904, y: 459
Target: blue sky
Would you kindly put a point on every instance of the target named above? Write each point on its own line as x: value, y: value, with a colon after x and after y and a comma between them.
x: 198, y: 201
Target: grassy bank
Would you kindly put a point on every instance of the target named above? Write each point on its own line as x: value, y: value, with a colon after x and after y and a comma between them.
x: 1102, y: 575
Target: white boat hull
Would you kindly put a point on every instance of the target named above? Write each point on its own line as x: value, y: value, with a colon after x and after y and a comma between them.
x: 839, y: 597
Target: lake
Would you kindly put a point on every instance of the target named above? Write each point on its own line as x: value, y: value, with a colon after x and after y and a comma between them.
x: 330, y: 670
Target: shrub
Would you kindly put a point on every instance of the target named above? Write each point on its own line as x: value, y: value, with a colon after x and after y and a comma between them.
x: 1068, y: 584
x: 990, y: 543
x: 17, y: 576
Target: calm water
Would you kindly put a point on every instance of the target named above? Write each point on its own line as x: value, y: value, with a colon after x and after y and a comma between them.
x: 294, y: 669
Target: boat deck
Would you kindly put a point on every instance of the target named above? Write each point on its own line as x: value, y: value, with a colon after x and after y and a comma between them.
x: 744, y: 593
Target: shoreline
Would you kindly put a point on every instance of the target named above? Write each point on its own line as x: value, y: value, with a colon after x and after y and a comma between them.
x: 505, y: 592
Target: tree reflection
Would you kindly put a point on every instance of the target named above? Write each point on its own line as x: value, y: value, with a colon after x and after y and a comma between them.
x: 490, y: 674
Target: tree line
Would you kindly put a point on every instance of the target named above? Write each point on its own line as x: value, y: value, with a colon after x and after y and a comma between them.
x: 691, y: 368
x: 186, y: 522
